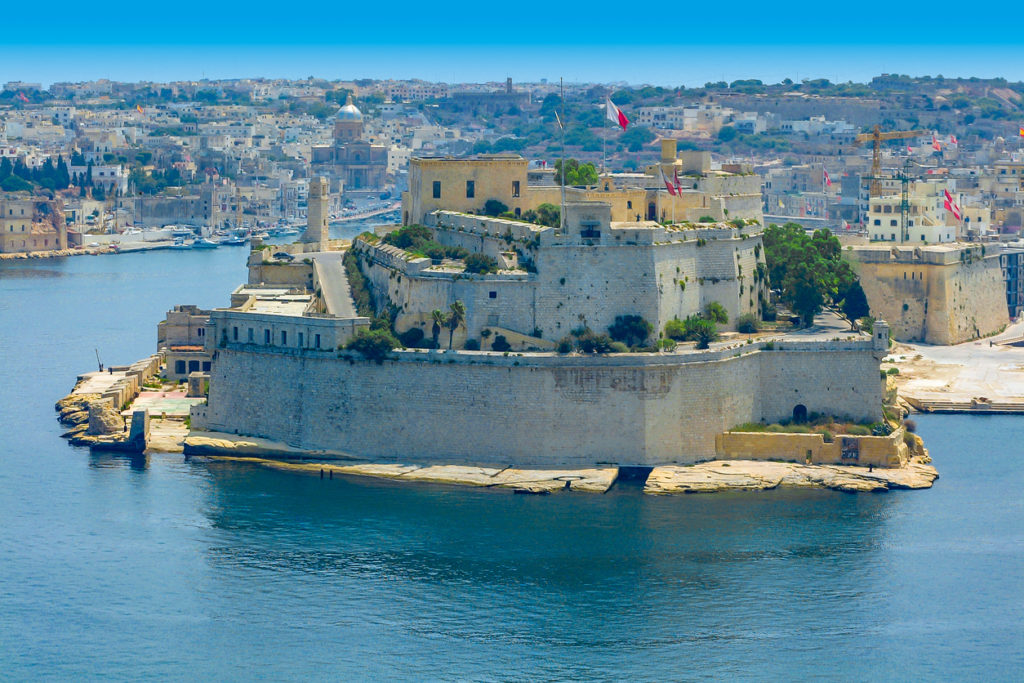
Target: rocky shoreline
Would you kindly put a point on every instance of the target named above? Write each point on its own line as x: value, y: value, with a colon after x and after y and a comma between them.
x: 707, y: 477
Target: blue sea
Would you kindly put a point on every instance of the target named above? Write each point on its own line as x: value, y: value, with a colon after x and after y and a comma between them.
x: 158, y: 568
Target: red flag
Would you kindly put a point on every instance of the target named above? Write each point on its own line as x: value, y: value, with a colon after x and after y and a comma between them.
x: 910, y: 150
x: 679, y: 187
x: 615, y: 114
x: 953, y: 140
x: 21, y: 96
x: 828, y: 181
x: 936, y: 145
x: 668, y: 183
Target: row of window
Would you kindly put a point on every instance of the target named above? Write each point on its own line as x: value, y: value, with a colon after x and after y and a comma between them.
x: 267, y: 338
x: 10, y: 228
x: 192, y: 366
x: 471, y: 189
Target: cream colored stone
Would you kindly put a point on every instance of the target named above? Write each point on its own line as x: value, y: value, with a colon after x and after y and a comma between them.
x: 753, y: 475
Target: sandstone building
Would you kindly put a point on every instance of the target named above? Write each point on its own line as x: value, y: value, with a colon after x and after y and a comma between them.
x: 31, y: 224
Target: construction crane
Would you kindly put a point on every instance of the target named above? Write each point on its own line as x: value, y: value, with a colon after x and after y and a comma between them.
x: 876, y: 137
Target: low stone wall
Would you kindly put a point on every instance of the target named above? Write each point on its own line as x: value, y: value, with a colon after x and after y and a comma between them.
x: 878, y: 451
x: 126, y: 388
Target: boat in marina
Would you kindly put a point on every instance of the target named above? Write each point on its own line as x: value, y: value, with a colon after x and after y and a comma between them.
x: 179, y: 243
x: 204, y: 243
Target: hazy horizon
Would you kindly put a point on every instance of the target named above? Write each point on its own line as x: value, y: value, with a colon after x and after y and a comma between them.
x: 463, y: 42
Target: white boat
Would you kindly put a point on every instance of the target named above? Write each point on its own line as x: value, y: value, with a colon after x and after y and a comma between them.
x: 203, y: 243
x: 179, y: 243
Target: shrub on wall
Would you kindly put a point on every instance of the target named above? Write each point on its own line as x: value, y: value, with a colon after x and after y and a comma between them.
x: 631, y: 330
x: 500, y: 343
x: 481, y: 263
x: 373, y: 345
x: 747, y: 323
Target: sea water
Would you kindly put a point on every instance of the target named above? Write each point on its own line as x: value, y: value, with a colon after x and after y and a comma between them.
x: 122, y: 568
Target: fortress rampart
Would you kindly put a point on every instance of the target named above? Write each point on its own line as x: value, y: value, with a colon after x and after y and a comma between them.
x: 532, y: 409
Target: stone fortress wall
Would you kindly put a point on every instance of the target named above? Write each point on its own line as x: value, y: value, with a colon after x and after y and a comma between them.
x: 532, y: 410
x: 652, y: 272
x: 943, y: 294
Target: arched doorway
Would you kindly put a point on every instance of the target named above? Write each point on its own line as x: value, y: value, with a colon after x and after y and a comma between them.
x: 800, y: 413
x: 652, y: 212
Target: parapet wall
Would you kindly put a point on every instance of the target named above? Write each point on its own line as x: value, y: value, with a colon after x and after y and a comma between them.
x: 538, y: 410
x: 812, y: 449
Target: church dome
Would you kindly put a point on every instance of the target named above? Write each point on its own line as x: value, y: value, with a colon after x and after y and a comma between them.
x: 349, y: 112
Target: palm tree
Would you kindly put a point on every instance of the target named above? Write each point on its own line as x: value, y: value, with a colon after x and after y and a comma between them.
x: 456, y: 317
x: 439, y: 322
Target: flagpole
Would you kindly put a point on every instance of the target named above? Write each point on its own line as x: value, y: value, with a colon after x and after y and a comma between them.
x: 604, y: 142
x: 561, y: 217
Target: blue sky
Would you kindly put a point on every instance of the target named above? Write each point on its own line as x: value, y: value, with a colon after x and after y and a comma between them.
x: 457, y: 40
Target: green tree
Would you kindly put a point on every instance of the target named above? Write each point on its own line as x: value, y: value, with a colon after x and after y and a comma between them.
x: 576, y: 173
x: 716, y: 312
x: 438, y: 322
x: 492, y: 207
x: 631, y: 330
x: 481, y: 263
x: 456, y: 317
x: 726, y: 134
x: 374, y: 345
x: 855, y: 303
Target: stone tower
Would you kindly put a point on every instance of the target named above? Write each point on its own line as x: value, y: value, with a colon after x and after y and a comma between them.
x: 316, y: 224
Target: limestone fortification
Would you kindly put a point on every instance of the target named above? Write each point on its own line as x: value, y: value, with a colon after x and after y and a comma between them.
x: 281, y: 373
x: 532, y: 409
x: 941, y: 294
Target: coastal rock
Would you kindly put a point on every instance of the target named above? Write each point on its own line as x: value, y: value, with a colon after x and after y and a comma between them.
x: 215, y: 443
x: 104, y: 419
x: 756, y: 475
x: 72, y: 407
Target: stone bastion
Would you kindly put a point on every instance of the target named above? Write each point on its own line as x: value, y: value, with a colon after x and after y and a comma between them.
x: 533, y: 409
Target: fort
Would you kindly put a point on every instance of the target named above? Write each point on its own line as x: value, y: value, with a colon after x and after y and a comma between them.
x: 287, y: 372
x: 281, y: 370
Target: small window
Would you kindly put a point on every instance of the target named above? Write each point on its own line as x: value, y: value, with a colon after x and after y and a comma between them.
x: 892, y: 222
x: 492, y: 295
x: 629, y: 204
x: 266, y: 336
x: 284, y: 338
x: 316, y: 341
x: 201, y: 332
x: 193, y: 366
x: 179, y: 367
x: 515, y: 188
x: 301, y: 339
x: 892, y: 236
x: 470, y: 189
x: 878, y: 221
x: 206, y: 366
x: 234, y: 333
x: 437, y: 189
x: 250, y: 335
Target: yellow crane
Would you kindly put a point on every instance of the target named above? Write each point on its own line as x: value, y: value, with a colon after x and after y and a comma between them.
x: 876, y: 137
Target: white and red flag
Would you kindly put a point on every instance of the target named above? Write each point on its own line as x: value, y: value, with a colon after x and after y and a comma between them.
x: 828, y: 181
x: 615, y: 114
x: 679, y: 187
x: 953, y: 140
x: 952, y: 206
x: 936, y: 145
x: 21, y: 96
x: 910, y: 150
x: 668, y: 183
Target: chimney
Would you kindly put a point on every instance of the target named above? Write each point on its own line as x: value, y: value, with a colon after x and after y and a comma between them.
x: 508, y: 85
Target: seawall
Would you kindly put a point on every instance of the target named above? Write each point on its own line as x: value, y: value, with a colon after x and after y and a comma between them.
x: 534, y: 410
